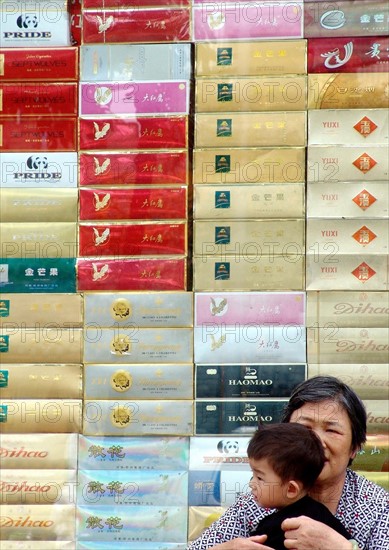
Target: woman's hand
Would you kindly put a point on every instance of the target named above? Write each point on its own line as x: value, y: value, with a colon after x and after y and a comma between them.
x: 304, y: 533
x: 251, y: 543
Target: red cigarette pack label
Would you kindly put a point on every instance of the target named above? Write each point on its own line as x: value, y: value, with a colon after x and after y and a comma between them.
x: 133, y: 204
x: 143, y: 239
x: 38, y: 134
x: 131, y: 274
x: 348, y: 54
x: 74, y: 8
x: 136, y: 132
x: 57, y: 64
x: 136, y: 25
x: 133, y: 167
x: 18, y: 99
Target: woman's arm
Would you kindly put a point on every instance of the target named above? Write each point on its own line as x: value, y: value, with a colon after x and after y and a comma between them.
x: 304, y: 533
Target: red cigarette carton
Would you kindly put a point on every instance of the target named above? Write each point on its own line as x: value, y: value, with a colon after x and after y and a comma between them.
x: 19, y: 99
x: 59, y: 64
x: 132, y: 239
x: 140, y: 203
x: 131, y: 274
x: 38, y: 134
x: 118, y: 168
x: 368, y: 54
x: 136, y: 25
x: 161, y: 132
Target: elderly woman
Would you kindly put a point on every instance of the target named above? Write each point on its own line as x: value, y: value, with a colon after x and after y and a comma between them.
x: 337, y: 415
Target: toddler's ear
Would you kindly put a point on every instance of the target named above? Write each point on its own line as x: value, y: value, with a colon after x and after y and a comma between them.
x: 293, y: 489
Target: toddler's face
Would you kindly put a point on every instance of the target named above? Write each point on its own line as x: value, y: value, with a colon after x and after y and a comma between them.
x: 266, y: 486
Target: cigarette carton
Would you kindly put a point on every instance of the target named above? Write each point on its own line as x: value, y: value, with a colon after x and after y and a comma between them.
x: 41, y: 133
x: 369, y: 381
x: 23, y: 275
x: 32, y: 416
x: 332, y: 271
x: 136, y: 24
x: 135, y: 62
x: 236, y: 417
x: 146, y: 309
x: 134, y: 453
x: 142, y: 132
x: 243, y: 272
x: 348, y: 309
x: 247, y: 381
x: 344, y: 18
x: 348, y: 91
x: 241, y: 20
x: 133, y: 167
x: 39, y: 451
x: 132, y: 274
x: 131, y: 344
x: 138, y: 381
x: 134, y: 98
x: 249, y: 165
x: 250, y: 129
x: 38, y: 98
x: 38, y: 487
x: 34, y: 24
x: 58, y: 64
x: 348, y: 200
x: 248, y: 201
x: 348, y: 54
x: 45, y: 522
x: 125, y: 418
x: 260, y: 93
x: 136, y: 203
x: 348, y: 345
x: 352, y: 126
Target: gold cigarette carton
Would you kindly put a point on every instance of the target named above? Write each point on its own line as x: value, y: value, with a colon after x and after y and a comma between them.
x: 234, y: 201
x: 377, y: 416
x: 244, y: 273
x: 250, y: 58
x: 351, y: 236
x: 249, y: 165
x: 42, y: 310
x: 348, y: 200
x: 39, y: 240
x: 256, y: 93
x: 370, y: 381
x: 333, y: 271
x: 270, y: 129
x: 201, y: 517
x: 347, y: 163
x: 38, y: 545
x: 348, y: 308
x: 55, y: 344
x: 30, y: 416
x: 352, y: 126
x: 38, y: 205
x: 38, y: 486
x: 248, y: 237
x: 333, y: 344
x: 40, y: 381
x: 127, y: 418
x: 348, y: 91
x: 44, y: 523
x: 52, y: 451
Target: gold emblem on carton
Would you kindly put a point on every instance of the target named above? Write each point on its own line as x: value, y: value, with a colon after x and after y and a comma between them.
x: 100, y: 169
x: 218, y: 308
x: 104, y: 25
x: 121, y: 309
x: 121, y: 345
x: 121, y: 417
x: 103, y: 95
x: 101, y: 239
x: 99, y: 134
x: 121, y: 381
x: 97, y: 275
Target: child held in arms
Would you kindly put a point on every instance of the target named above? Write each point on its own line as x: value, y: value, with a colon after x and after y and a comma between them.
x: 285, y: 460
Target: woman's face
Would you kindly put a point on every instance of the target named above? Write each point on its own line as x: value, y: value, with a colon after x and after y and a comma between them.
x: 331, y: 423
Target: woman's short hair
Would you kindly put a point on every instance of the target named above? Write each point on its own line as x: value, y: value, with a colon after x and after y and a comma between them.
x: 292, y: 450
x: 325, y: 388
